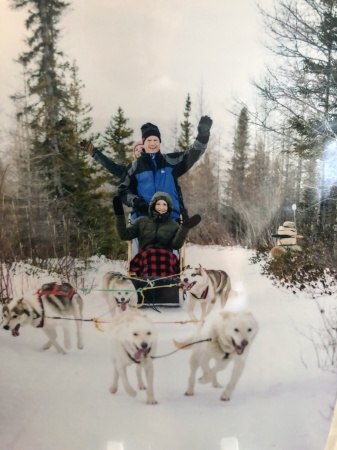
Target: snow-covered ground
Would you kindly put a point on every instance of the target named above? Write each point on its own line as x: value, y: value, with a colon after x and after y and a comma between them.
x: 283, y: 401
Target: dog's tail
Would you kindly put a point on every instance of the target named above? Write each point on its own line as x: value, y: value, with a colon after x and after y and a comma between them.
x: 183, y: 345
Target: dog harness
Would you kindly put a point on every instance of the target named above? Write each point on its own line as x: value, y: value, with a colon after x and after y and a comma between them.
x: 40, y: 325
x: 203, y: 295
x: 55, y: 291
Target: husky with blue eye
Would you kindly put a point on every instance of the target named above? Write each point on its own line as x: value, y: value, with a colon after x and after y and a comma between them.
x: 225, y: 337
x: 204, y: 287
x: 52, y: 305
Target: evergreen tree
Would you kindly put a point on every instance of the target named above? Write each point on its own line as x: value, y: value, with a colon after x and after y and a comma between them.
x: 185, y: 138
x: 117, y: 138
x: 46, y: 85
x: 239, y: 161
x: 69, y: 213
x: 117, y: 143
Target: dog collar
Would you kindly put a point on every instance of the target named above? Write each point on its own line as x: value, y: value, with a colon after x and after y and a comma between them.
x: 203, y: 295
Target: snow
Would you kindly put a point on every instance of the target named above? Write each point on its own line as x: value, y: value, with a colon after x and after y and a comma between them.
x: 284, y: 401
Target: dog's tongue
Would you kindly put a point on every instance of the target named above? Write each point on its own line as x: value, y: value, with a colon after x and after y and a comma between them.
x: 123, y: 306
x: 15, y: 331
x: 187, y: 286
x: 140, y: 354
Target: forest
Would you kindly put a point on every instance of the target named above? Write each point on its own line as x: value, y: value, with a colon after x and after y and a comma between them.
x: 56, y: 200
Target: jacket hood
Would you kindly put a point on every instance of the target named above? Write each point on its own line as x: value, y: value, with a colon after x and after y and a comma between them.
x: 160, y: 196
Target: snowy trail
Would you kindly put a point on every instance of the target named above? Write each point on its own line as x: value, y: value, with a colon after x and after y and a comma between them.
x: 52, y: 402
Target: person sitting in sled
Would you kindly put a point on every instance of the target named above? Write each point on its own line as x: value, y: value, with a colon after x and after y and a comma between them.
x: 158, y: 236
x: 154, y: 171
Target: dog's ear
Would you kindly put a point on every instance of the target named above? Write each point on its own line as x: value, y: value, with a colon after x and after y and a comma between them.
x: 22, y: 307
x: 186, y: 267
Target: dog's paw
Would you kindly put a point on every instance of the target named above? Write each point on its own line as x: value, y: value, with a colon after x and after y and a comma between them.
x: 113, y: 389
x: 152, y: 402
x: 80, y: 346
x: 61, y: 351
x: 46, y: 346
x: 141, y: 386
x: 131, y: 392
x: 225, y: 397
x: 189, y: 393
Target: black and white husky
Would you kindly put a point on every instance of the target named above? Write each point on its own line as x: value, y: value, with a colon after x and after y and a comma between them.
x: 119, y: 292
x: 204, y: 286
x: 42, y: 309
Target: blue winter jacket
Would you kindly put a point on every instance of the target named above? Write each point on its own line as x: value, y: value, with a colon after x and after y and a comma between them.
x: 155, y: 172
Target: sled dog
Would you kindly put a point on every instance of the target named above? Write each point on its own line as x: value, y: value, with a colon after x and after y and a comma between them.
x: 119, y: 291
x: 204, y: 286
x: 38, y: 310
x: 134, y: 341
x: 227, y: 337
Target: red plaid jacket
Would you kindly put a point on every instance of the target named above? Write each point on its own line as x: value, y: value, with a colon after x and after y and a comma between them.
x: 154, y: 262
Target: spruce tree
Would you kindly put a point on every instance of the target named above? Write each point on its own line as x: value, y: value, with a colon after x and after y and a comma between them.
x: 239, y: 161
x: 236, y: 183
x: 117, y: 141
x: 69, y: 208
x: 185, y: 137
x: 117, y: 137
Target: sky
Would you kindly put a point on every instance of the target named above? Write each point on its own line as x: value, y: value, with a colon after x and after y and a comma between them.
x: 283, y: 401
x: 147, y: 56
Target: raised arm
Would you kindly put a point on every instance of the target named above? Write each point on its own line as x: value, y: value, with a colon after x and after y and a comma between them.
x: 181, y: 235
x: 116, y: 169
x: 185, y: 160
x: 125, y: 233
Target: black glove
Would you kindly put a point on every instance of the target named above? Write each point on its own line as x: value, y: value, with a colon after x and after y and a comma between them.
x: 140, y: 204
x: 88, y: 147
x: 192, y: 221
x: 204, y: 127
x: 118, y: 206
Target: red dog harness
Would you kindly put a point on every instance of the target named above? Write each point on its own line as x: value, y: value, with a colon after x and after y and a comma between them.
x: 55, y: 291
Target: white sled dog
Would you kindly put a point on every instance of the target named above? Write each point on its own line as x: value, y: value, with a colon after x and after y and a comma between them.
x: 38, y: 309
x: 134, y: 341
x: 119, y: 291
x: 226, y: 336
x: 204, y: 286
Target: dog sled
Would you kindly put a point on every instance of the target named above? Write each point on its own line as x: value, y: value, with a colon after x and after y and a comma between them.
x: 160, y: 290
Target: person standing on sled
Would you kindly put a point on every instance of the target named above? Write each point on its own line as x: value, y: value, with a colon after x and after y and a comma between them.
x: 158, y: 236
x: 155, y: 172
x: 119, y: 170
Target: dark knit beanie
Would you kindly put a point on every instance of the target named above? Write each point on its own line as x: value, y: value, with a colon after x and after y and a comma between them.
x: 148, y: 129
